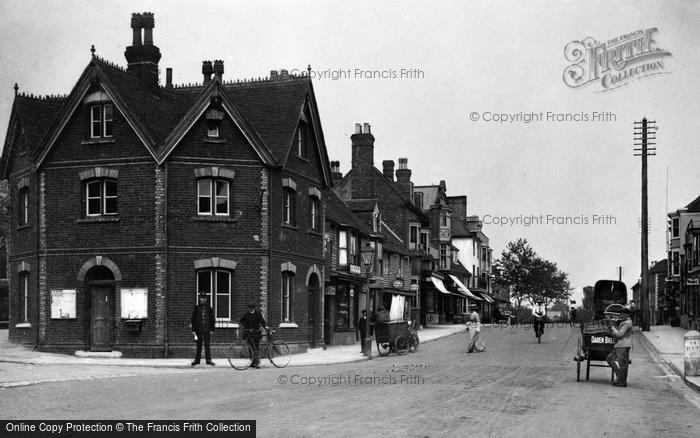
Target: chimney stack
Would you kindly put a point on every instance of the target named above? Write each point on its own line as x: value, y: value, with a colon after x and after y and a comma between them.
x: 388, y: 169
x: 142, y: 58
x: 207, y: 71
x: 218, y: 69
x: 273, y: 74
x: 284, y: 74
x: 403, y: 178
x: 336, y: 175
x: 458, y: 204
x: 362, y: 163
x: 168, y: 77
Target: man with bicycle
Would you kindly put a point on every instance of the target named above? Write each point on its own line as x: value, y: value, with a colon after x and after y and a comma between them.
x: 539, y: 312
x: 252, y: 322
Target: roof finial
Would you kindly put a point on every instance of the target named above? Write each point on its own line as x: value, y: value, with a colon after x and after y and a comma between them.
x: 92, y: 50
x: 308, y: 69
x: 16, y: 88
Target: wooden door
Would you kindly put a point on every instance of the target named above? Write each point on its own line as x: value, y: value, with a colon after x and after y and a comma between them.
x: 101, y: 315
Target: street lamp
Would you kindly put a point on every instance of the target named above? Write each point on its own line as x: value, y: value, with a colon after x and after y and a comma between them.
x: 367, y: 260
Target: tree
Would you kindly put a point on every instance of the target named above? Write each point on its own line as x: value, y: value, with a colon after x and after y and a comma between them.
x: 549, y: 283
x: 530, y: 277
x: 588, y: 298
x: 512, y: 270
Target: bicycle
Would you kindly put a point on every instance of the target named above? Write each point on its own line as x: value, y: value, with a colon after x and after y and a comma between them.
x: 413, y: 340
x: 241, y: 353
x: 539, y: 328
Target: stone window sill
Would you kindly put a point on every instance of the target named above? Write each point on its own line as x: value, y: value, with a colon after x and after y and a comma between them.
x: 288, y: 325
x: 226, y: 324
x: 290, y: 227
x: 98, y: 219
x: 98, y: 141
x: 23, y: 325
x: 315, y: 233
x: 299, y: 157
x: 214, y: 219
x: 22, y: 227
x: 214, y: 140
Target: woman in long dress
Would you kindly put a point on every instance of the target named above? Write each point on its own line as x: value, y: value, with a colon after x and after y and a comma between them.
x: 473, y: 329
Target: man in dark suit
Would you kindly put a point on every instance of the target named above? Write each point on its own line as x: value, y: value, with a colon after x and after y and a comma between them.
x: 362, y: 327
x: 252, y: 321
x: 203, y: 327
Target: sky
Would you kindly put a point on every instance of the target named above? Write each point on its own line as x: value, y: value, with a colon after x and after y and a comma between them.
x: 433, y: 78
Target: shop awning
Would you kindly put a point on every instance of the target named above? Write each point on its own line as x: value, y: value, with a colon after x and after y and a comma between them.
x: 487, y: 297
x: 463, y: 288
x: 439, y: 285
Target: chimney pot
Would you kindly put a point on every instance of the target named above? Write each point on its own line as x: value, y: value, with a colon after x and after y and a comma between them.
x: 218, y: 69
x: 169, y: 77
x: 366, y: 129
x: 136, y: 26
x: 284, y: 73
x: 358, y: 128
x: 147, y: 22
x: 207, y: 71
x: 273, y: 74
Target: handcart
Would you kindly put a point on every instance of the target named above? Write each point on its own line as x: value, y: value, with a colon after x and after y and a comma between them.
x: 392, y: 336
x: 595, y: 344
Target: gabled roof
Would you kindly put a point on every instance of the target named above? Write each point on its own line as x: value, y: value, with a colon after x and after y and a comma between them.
x: 266, y: 111
x: 459, y: 229
x: 33, y: 116
x: 338, y: 212
x: 391, y: 243
x: 660, y: 267
x: 694, y: 206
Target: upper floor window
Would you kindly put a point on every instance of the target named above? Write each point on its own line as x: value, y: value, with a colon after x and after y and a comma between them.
x: 354, y: 253
x: 214, y: 119
x: 213, y: 197
x: 302, y: 140
x: 386, y: 268
x: 216, y: 285
x: 443, y: 218
x: 676, y: 269
x: 289, y: 188
x: 23, y: 206
x: 444, y: 254
x: 100, y: 197
x: 424, y: 242
x: 101, y: 118
x: 380, y: 258
x: 413, y: 238
x: 675, y: 229
x: 418, y: 199
x: 315, y: 213
x: 24, y: 296
x: 342, y: 248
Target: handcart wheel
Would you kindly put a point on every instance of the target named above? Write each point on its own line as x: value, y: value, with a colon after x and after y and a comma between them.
x: 384, y: 348
x: 401, y: 344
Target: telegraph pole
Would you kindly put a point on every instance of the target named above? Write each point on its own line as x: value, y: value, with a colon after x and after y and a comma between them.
x: 645, y: 135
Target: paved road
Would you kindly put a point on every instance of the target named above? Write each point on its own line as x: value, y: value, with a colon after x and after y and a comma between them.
x: 515, y: 388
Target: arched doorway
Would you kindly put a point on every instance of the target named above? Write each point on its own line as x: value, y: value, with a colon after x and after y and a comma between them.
x: 313, y: 300
x: 99, y: 284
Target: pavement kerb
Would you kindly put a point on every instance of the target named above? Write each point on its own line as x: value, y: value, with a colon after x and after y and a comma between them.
x: 657, y: 355
x: 182, y: 363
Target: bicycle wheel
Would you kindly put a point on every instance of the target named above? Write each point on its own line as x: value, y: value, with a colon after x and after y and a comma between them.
x: 401, y: 344
x: 240, y: 355
x: 278, y: 353
x: 384, y: 348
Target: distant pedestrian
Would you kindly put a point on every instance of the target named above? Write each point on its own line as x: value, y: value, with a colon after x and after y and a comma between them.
x: 362, y: 328
x: 473, y: 330
x: 572, y: 317
x: 619, y: 358
x: 252, y: 322
x: 203, y: 326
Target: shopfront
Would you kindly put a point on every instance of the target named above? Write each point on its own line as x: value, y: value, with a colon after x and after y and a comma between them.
x: 343, y: 302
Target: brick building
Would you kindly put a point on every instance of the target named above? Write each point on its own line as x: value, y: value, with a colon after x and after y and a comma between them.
x: 130, y: 197
x: 387, y: 205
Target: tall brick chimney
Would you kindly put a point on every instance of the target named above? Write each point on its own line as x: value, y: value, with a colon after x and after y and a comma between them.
x: 459, y: 206
x: 218, y: 69
x: 403, y: 178
x: 362, y: 162
x: 388, y: 169
x: 142, y: 58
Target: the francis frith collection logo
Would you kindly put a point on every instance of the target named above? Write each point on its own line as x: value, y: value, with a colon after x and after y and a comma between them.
x: 614, y: 63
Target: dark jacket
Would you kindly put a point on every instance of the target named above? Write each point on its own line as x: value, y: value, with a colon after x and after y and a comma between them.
x: 253, y: 321
x: 203, y: 318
